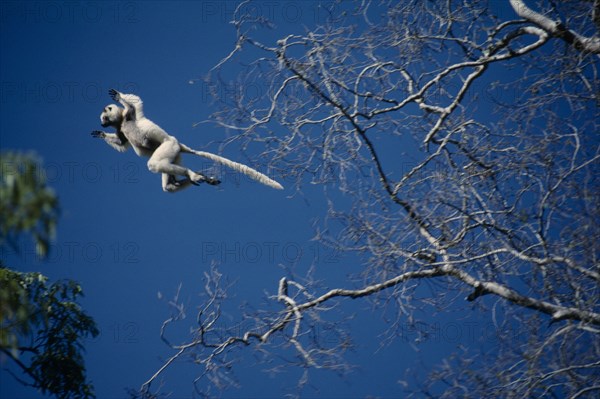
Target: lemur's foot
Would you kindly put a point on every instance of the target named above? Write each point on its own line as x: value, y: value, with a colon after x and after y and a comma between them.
x: 197, y: 178
x: 212, y: 181
x: 173, y: 182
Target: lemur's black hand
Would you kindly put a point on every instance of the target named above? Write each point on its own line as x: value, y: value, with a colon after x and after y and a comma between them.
x: 115, y: 95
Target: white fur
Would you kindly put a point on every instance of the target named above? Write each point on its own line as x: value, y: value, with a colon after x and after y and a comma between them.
x: 150, y: 140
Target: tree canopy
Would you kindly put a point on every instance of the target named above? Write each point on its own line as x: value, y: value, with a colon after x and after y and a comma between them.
x: 41, y: 323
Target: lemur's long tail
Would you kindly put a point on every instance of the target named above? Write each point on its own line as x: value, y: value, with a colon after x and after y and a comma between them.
x: 248, y: 171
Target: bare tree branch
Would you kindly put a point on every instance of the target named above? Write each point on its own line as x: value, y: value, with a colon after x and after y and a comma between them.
x: 456, y: 149
x: 557, y: 28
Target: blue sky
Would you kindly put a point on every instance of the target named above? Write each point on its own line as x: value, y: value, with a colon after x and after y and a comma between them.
x: 124, y: 239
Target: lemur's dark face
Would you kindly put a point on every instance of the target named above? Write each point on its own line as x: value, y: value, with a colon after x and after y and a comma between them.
x: 111, y: 116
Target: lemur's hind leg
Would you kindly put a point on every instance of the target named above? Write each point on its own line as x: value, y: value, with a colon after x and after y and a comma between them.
x: 165, y: 160
x: 171, y: 184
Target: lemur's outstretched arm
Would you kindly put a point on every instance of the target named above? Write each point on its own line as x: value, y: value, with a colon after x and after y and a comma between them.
x: 133, y: 104
x: 115, y: 140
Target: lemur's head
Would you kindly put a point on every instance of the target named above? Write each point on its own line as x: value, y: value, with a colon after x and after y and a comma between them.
x: 111, y: 116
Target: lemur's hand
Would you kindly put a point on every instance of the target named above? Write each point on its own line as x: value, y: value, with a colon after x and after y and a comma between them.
x: 115, y: 95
